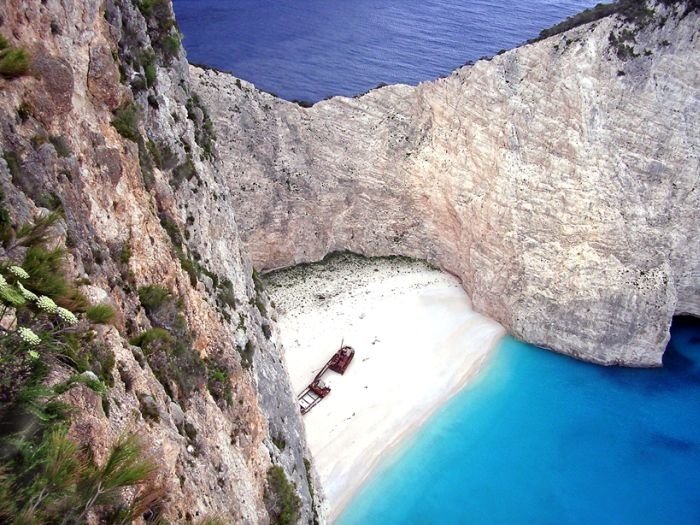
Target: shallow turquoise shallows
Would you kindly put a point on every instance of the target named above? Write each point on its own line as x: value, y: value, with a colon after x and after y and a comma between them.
x: 544, y: 439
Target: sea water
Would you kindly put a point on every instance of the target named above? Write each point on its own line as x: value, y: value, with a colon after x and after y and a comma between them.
x: 312, y: 49
x: 538, y: 438
x: 541, y: 438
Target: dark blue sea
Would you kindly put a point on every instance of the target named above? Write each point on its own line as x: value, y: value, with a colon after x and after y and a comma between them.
x: 539, y: 438
x: 312, y: 49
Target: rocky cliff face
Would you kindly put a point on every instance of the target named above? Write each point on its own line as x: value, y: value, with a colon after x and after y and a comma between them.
x: 106, y: 128
x: 559, y: 180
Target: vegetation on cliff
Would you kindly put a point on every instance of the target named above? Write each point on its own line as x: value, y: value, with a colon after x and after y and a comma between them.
x: 14, y: 62
x: 637, y: 12
x: 281, y: 498
x: 46, y: 349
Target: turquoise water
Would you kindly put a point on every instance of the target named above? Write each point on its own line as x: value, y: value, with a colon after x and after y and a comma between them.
x: 541, y: 438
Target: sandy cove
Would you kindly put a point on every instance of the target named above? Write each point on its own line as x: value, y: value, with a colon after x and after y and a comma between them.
x: 417, y: 342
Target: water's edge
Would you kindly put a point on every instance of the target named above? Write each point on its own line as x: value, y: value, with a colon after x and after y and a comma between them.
x: 542, y: 438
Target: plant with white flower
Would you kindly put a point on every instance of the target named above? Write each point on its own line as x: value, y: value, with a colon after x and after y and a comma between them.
x: 67, y: 316
x: 46, y: 304
x: 27, y: 294
x: 9, y: 295
x: 19, y: 272
x: 28, y: 336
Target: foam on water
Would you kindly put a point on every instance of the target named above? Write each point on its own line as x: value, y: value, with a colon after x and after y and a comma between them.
x: 542, y: 438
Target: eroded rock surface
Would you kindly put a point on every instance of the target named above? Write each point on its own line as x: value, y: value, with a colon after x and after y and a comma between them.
x: 145, y: 203
x: 558, y: 181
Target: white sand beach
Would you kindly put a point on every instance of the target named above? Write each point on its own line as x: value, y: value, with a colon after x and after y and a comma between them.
x: 416, y: 340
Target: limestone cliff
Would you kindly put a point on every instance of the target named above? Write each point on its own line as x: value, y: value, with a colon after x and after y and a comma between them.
x: 559, y: 180
x: 105, y: 128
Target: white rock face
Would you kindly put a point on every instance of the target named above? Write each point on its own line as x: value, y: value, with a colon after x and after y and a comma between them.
x: 559, y: 182
x: 214, y: 448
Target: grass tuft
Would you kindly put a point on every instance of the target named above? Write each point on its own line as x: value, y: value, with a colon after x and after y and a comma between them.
x: 153, y: 296
x: 126, y: 122
x: 100, y: 314
x: 13, y: 63
x: 281, y: 498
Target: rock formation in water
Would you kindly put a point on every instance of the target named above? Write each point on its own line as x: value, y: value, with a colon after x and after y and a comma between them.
x: 98, y: 121
x: 558, y: 180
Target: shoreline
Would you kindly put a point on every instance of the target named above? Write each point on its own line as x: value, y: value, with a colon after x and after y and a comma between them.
x: 417, y: 344
x: 402, y: 438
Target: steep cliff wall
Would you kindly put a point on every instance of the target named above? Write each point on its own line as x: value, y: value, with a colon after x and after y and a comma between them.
x: 105, y: 128
x: 558, y: 180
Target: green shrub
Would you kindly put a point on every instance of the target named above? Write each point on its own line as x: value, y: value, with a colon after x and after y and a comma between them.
x: 15, y: 167
x: 50, y: 480
x: 13, y: 63
x: 309, y: 481
x: 267, y: 331
x: 281, y: 498
x: 623, y: 43
x: 168, y: 345
x: 100, y: 314
x: 47, y: 277
x: 204, y: 134
x: 170, y: 45
x: 46, y: 273
x: 60, y: 145
x: 279, y: 442
x: 126, y: 121
x: 24, y: 111
x: 153, y: 296
x: 38, y: 140
x: 173, y: 361
x: 83, y: 352
x: 6, y: 231
x: 190, y: 267
x: 146, y: 164
x: 155, y: 153
x: 149, y: 7
x: 38, y: 232
x: 172, y: 229
x: 149, y: 71
x: 50, y: 201
x: 219, y: 383
x: 125, y: 254
x: 54, y: 481
x: 633, y: 11
x: 37, y: 464
x: 225, y: 296
x: 95, y: 386
x: 153, y: 339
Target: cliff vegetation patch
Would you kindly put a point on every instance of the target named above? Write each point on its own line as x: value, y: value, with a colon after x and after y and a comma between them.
x: 14, y: 62
x: 45, y: 477
x: 281, y: 498
x: 636, y: 12
x: 126, y: 122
